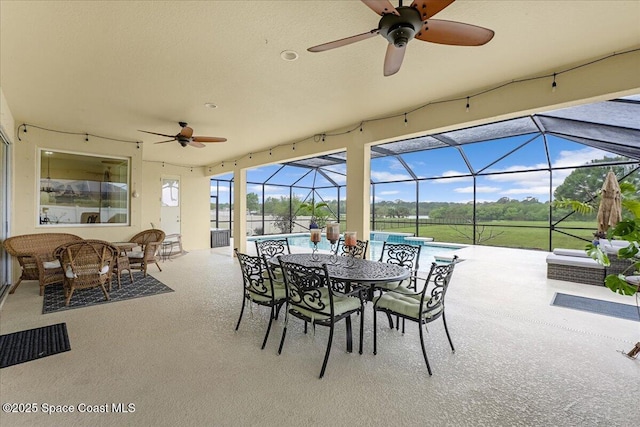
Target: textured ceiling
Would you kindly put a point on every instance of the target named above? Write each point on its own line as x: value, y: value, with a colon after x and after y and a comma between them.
x: 111, y: 68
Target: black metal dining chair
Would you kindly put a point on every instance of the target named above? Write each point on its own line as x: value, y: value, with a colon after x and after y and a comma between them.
x: 260, y: 288
x: 358, y: 251
x: 312, y: 298
x: 404, y: 255
x: 272, y: 247
x: 421, y: 307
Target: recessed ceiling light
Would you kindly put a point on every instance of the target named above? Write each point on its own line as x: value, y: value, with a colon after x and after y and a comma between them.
x: 210, y: 105
x: 289, y: 55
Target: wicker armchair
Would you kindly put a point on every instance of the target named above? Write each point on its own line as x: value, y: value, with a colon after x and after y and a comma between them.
x: 149, y: 242
x: 34, y: 253
x: 86, y: 264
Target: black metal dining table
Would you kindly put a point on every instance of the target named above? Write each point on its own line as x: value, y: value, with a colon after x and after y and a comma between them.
x: 347, y: 271
x: 362, y: 271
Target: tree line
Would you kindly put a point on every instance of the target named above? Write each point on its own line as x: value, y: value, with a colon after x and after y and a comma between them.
x: 582, y: 184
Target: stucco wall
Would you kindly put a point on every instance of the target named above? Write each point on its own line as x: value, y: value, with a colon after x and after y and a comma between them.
x: 26, y: 188
x: 146, y: 176
x: 6, y: 119
x: 194, y: 202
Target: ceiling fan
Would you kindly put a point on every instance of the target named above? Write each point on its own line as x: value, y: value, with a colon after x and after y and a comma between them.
x: 400, y: 25
x: 185, y: 137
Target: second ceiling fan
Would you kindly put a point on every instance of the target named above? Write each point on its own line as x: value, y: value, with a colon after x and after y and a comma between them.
x: 400, y: 25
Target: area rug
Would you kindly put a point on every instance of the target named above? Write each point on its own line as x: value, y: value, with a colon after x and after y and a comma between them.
x: 608, y: 308
x: 141, y: 287
x: 24, y: 346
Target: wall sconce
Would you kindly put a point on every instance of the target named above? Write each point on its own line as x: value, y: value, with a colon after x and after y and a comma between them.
x: 135, y: 193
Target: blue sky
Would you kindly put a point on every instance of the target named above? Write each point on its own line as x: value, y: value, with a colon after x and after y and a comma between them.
x: 447, y: 162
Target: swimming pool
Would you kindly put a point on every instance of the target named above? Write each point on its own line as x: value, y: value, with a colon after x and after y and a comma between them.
x: 429, y: 252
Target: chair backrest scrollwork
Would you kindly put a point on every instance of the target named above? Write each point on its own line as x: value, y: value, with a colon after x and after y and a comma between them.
x: 358, y: 251
x: 404, y: 255
x: 272, y: 247
x: 435, y: 287
x: 256, y: 278
x: 307, y: 287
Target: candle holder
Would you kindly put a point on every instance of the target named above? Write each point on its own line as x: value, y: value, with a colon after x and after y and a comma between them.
x: 350, y: 241
x: 314, y: 252
x: 333, y: 235
x: 315, y: 239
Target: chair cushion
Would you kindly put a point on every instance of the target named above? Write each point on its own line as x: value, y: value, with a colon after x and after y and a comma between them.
x: 574, y: 261
x: 50, y: 265
x: 404, y: 301
x: 70, y: 274
x: 279, y: 293
x: 341, y: 305
x: 136, y: 254
x: 634, y: 280
x: 571, y: 252
x: 277, y: 274
x: 613, y: 246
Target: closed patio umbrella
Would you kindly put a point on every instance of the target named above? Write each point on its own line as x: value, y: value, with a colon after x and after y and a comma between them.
x: 610, y: 210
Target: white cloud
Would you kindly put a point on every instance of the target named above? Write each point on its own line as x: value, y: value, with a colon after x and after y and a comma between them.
x: 449, y: 173
x: 479, y: 189
x: 385, y: 176
x: 539, y: 179
x: 387, y: 193
x: 528, y: 191
x: 578, y: 157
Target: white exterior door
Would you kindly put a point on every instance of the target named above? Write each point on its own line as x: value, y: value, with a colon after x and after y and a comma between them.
x: 170, y: 210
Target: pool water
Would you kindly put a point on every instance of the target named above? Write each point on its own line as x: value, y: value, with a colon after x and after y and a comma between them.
x: 428, y: 253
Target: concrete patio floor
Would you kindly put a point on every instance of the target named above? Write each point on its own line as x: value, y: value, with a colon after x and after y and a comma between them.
x: 518, y: 361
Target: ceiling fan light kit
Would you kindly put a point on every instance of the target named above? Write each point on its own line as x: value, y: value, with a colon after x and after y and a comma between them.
x: 402, y: 24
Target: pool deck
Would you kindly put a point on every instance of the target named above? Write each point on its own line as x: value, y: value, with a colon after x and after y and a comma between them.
x: 519, y: 360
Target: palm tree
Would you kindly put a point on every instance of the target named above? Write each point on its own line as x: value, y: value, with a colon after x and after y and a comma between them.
x: 319, y: 213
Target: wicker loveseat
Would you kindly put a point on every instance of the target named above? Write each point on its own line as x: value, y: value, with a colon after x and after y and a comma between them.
x: 34, y: 253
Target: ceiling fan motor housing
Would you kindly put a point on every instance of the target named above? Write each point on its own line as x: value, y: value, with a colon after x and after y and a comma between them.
x: 183, y: 141
x: 399, y: 30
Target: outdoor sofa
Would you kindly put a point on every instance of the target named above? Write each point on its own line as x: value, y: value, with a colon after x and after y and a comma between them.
x: 34, y: 253
x: 574, y: 265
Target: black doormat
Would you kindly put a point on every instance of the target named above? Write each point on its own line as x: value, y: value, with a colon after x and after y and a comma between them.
x: 141, y: 287
x: 24, y: 346
x: 608, y: 308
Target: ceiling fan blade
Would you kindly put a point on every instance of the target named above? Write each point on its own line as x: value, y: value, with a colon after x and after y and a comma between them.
x: 344, y: 42
x: 208, y: 139
x: 186, y: 132
x: 393, y: 59
x: 197, y: 144
x: 155, y: 133
x: 428, y: 8
x: 381, y: 7
x: 162, y: 142
x: 454, y: 33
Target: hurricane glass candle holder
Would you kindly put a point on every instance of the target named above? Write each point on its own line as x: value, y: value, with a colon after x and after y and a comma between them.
x: 350, y: 241
x: 333, y: 235
x: 315, y: 239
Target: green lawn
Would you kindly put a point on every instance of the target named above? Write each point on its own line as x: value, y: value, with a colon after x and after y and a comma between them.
x: 499, y: 234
